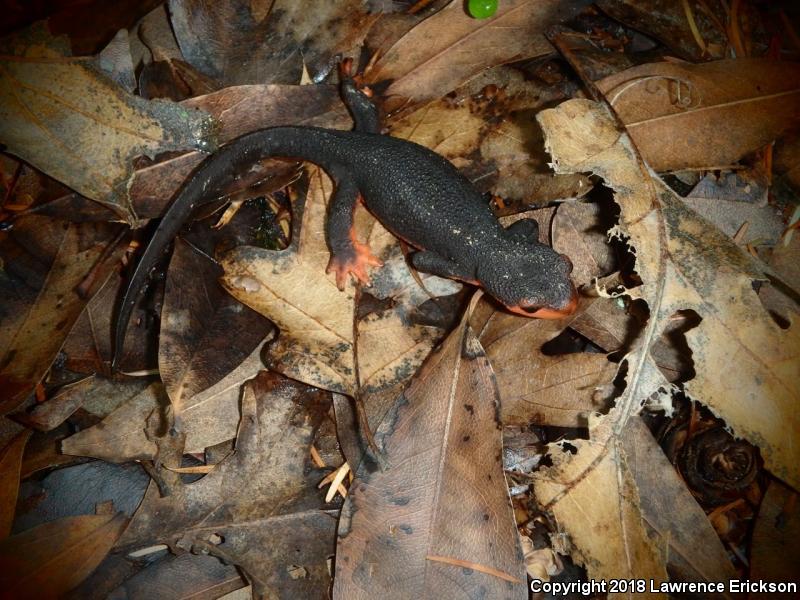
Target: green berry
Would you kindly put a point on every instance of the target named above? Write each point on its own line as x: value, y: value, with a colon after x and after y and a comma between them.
x: 482, y: 9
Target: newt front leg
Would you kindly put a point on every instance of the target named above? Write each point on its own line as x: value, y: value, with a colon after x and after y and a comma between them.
x: 348, y: 255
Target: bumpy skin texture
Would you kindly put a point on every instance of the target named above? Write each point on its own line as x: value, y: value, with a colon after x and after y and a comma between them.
x: 415, y: 193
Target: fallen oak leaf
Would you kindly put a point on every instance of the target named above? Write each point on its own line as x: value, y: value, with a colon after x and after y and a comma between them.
x: 289, y: 287
x: 205, y: 333
x: 261, y: 488
x: 322, y: 340
x: 561, y: 390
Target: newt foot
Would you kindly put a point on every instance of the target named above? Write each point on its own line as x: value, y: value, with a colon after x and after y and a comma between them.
x: 355, y: 263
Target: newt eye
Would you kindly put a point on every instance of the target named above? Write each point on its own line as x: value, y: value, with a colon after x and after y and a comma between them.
x: 531, y: 309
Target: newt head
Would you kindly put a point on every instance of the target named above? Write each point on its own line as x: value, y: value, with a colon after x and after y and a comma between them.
x: 532, y: 282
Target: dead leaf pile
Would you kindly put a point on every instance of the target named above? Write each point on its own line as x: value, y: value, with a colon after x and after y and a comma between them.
x: 648, y: 437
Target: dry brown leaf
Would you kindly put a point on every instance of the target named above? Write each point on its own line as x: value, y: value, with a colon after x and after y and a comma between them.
x: 578, y: 234
x: 274, y: 40
x: 121, y: 436
x: 601, y: 509
x: 505, y: 156
x: 747, y: 368
x: 291, y: 289
x: 559, y: 390
x: 49, y: 560
x: 10, y: 466
x: 695, y: 550
x: 263, y: 487
x: 593, y: 489
x: 53, y: 271
x: 205, y: 333
x: 668, y: 22
x: 440, y: 512
x: 51, y: 102
x: 449, y: 48
x: 708, y: 115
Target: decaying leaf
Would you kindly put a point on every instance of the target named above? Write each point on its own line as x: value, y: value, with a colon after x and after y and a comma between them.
x: 205, y: 333
x: 709, y: 115
x: 450, y: 47
x: 49, y: 560
x: 10, y: 464
x: 437, y: 521
x: 52, y: 272
x: 593, y: 495
x: 244, y: 43
x: 695, y: 551
x: 261, y: 488
x: 746, y: 366
x: 48, y: 101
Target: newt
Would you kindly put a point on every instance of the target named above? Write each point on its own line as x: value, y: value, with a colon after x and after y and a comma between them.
x: 415, y: 193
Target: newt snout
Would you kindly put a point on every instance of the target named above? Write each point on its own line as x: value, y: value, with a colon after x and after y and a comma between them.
x: 548, y: 312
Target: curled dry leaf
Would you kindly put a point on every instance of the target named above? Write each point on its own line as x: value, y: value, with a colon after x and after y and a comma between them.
x: 437, y: 522
x: 449, y: 48
x: 53, y: 271
x: 48, y: 560
x: 48, y: 101
x: 708, y: 115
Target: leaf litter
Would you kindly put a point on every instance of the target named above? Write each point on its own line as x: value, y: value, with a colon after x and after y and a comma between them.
x: 672, y: 320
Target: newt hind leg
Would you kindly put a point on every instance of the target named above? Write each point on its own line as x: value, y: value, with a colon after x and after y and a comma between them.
x: 348, y: 255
